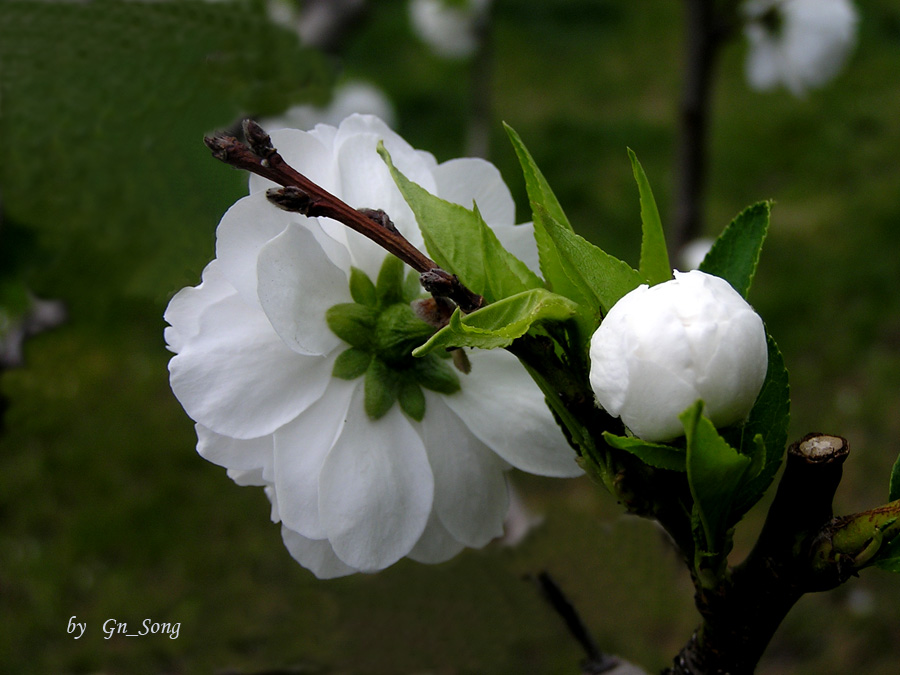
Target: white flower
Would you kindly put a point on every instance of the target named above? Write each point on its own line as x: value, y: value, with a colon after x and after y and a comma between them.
x: 662, y: 348
x: 255, y: 357
x: 801, y: 44
x: 448, y: 28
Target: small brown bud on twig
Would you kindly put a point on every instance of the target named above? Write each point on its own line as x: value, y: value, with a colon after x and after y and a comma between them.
x: 290, y: 198
x: 259, y: 140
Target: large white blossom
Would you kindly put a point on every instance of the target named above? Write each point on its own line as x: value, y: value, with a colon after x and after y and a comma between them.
x: 255, y: 357
x: 662, y: 348
x: 800, y: 44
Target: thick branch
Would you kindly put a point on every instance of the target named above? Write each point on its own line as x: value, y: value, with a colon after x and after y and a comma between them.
x: 742, y: 614
x: 301, y: 195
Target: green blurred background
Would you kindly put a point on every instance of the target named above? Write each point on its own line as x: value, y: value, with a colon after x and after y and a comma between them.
x: 110, y: 203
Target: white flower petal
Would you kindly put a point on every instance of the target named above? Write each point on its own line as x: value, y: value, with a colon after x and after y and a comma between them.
x: 504, y: 408
x: 471, y: 497
x: 185, y: 306
x: 244, y: 229
x: 308, y: 154
x: 297, y: 285
x: 375, y: 489
x: 316, y: 555
x: 234, y: 453
x: 300, y: 450
x: 436, y: 545
x: 469, y: 179
x: 238, y: 378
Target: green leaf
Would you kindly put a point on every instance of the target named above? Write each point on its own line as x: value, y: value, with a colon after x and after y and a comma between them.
x: 353, y: 323
x: 894, y: 492
x: 889, y: 556
x: 654, y: 266
x: 548, y: 215
x: 735, y: 254
x: 351, y: 363
x: 539, y: 192
x: 594, y: 278
x: 769, y: 418
x: 461, y: 242
x: 715, y: 471
x: 498, y: 324
x: 362, y: 290
x: 655, y: 454
x: 380, y: 390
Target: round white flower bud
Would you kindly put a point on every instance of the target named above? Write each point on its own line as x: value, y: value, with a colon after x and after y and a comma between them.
x: 660, y: 349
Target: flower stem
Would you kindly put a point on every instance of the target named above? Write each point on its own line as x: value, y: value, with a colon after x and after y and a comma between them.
x: 301, y: 195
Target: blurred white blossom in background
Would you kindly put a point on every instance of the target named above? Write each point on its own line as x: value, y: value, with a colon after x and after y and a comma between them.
x: 800, y: 44
x: 366, y: 454
x: 449, y: 28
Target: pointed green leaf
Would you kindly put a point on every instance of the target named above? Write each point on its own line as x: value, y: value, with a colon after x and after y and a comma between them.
x: 894, y: 492
x: 538, y: 189
x: 498, y: 324
x: 715, y: 471
x: 735, y: 254
x: 351, y: 363
x: 769, y: 418
x: 654, y: 266
x: 600, y: 279
x: 546, y: 214
x: 655, y: 454
x: 461, y: 242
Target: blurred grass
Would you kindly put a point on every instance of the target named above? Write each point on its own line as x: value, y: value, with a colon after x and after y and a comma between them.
x: 107, y: 513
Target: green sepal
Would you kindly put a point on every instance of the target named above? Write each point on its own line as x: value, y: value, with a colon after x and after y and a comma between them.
x: 655, y: 454
x: 715, y: 471
x: 436, y: 374
x: 380, y: 389
x: 894, y: 490
x: 412, y: 399
x: 654, y: 267
x: 412, y: 289
x: 397, y: 332
x: 351, y: 363
x: 498, y: 324
x: 735, y: 254
x: 461, y: 242
x: 389, y: 286
x: 353, y: 323
x: 768, y: 418
x: 362, y: 290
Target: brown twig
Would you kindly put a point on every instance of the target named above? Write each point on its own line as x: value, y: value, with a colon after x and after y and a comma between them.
x: 301, y: 195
